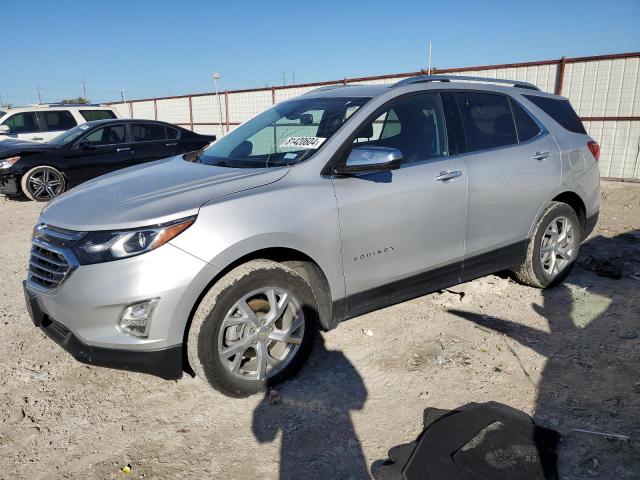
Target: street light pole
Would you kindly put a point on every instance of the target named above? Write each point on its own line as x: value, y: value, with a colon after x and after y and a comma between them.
x: 216, y: 77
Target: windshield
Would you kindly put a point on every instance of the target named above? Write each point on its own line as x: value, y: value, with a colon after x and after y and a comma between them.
x: 286, y: 134
x: 69, y: 135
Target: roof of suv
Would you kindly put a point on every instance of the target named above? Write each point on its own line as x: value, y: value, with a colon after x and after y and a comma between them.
x: 74, y: 106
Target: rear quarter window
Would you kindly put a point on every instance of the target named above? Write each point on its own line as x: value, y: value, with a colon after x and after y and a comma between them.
x: 58, y: 120
x: 91, y: 115
x: 560, y: 110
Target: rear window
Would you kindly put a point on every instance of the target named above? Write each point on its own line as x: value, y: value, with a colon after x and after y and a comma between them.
x: 148, y: 132
x: 91, y: 115
x: 58, y: 120
x: 527, y: 127
x: 487, y: 120
x: 561, y: 111
x: 172, y: 133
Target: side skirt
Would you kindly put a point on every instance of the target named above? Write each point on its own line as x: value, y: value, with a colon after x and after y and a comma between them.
x: 504, y: 258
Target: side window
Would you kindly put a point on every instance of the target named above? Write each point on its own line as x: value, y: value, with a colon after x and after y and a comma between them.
x: 487, y: 120
x: 173, y: 133
x: 527, y: 128
x: 58, y: 120
x: 91, y: 115
x: 148, y: 132
x: 23, y: 122
x: 561, y: 111
x: 414, y: 125
x: 111, y: 135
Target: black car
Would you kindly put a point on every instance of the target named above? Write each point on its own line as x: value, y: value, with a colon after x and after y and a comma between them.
x: 44, y: 170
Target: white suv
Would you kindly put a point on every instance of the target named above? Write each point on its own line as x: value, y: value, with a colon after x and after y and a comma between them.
x: 41, y: 123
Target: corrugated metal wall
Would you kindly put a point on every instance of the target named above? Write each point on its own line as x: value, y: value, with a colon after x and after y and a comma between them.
x: 604, y: 90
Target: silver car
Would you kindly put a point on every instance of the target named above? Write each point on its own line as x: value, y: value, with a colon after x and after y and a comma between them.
x: 227, y: 261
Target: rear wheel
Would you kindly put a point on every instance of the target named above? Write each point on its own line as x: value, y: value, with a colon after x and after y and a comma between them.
x: 253, y: 329
x: 553, y: 248
x: 42, y: 183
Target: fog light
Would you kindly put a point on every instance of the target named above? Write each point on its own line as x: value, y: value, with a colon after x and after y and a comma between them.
x: 136, y: 318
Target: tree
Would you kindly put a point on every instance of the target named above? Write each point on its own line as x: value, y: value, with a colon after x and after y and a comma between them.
x: 76, y: 100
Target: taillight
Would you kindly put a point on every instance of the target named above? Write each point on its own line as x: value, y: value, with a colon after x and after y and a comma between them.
x: 594, y: 148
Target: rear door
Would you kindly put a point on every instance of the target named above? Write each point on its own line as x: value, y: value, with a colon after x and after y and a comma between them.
x: 149, y: 142
x: 513, y: 165
x: 55, y: 122
x: 403, y: 231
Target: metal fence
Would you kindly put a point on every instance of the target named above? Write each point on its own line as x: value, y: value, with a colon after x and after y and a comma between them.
x: 604, y: 90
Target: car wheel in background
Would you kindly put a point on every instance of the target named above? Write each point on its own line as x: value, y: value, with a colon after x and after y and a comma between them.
x: 42, y: 183
x: 254, y: 328
x: 553, y: 248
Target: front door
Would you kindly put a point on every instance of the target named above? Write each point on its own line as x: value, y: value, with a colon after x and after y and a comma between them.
x: 403, y: 231
x: 103, y: 150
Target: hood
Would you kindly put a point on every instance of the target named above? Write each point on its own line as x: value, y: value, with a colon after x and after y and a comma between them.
x: 150, y: 194
x: 12, y: 146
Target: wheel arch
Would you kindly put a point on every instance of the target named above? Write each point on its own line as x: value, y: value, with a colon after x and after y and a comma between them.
x: 295, y: 259
x: 572, y: 199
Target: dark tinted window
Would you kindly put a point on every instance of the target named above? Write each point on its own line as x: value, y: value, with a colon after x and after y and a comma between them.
x: 172, y: 133
x: 91, y: 115
x: 527, y: 127
x: 487, y: 120
x: 414, y: 125
x: 111, y: 135
x: 561, y: 111
x: 58, y: 120
x: 23, y: 122
x: 148, y: 132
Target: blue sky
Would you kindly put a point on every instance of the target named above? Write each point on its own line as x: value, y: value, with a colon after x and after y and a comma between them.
x: 153, y: 48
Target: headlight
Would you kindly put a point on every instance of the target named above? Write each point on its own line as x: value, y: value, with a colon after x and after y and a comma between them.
x: 8, y: 162
x: 105, y: 246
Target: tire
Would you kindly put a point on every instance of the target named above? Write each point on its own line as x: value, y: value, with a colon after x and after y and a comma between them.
x: 222, y: 325
x: 543, y: 269
x: 43, y: 183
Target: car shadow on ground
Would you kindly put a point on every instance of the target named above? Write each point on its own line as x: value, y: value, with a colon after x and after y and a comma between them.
x: 591, y: 380
x: 312, y: 413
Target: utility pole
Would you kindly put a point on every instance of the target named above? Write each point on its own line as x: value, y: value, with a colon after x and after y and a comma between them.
x: 216, y: 77
x: 84, y: 90
x: 1, y: 102
x: 39, y: 95
x: 429, y: 62
x: 293, y: 78
x: 284, y: 78
x: 123, y: 96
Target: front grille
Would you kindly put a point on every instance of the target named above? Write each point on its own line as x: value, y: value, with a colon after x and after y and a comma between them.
x: 47, y: 268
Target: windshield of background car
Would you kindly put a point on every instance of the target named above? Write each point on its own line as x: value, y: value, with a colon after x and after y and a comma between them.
x: 288, y: 133
x: 69, y: 135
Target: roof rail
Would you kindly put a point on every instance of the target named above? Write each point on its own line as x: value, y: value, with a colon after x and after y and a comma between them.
x: 328, y: 87
x: 453, y: 78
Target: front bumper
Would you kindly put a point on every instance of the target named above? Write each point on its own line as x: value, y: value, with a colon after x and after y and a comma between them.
x: 165, y: 363
x: 9, y: 184
x: 82, y: 314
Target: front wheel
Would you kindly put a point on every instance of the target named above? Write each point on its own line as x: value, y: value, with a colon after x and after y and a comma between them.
x: 254, y: 328
x: 553, y: 248
x: 42, y: 183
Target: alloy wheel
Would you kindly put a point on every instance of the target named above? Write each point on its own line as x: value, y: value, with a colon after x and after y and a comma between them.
x: 558, y: 246
x: 261, y: 333
x: 45, y: 184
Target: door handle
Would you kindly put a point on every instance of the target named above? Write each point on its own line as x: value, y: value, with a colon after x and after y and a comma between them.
x: 541, y: 155
x: 171, y: 144
x: 36, y: 138
x: 123, y: 149
x: 446, y: 176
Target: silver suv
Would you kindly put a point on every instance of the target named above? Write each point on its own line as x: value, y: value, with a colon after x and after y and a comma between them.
x: 227, y: 261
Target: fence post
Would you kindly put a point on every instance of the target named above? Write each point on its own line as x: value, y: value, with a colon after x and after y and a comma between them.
x: 560, y: 76
x: 273, y: 96
x: 155, y: 109
x: 190, y: 113
x: 226, y: 109
x: 130, y: 109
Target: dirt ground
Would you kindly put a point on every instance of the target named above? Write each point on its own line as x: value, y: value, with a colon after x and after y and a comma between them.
x: 569, y: 355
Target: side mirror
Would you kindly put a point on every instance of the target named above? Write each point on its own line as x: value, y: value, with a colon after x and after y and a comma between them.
x: 371, y: 160
x: 5, y: 130
x: 83, y: 144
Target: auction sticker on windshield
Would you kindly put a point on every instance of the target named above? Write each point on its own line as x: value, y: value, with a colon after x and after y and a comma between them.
x: 303, y: 142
